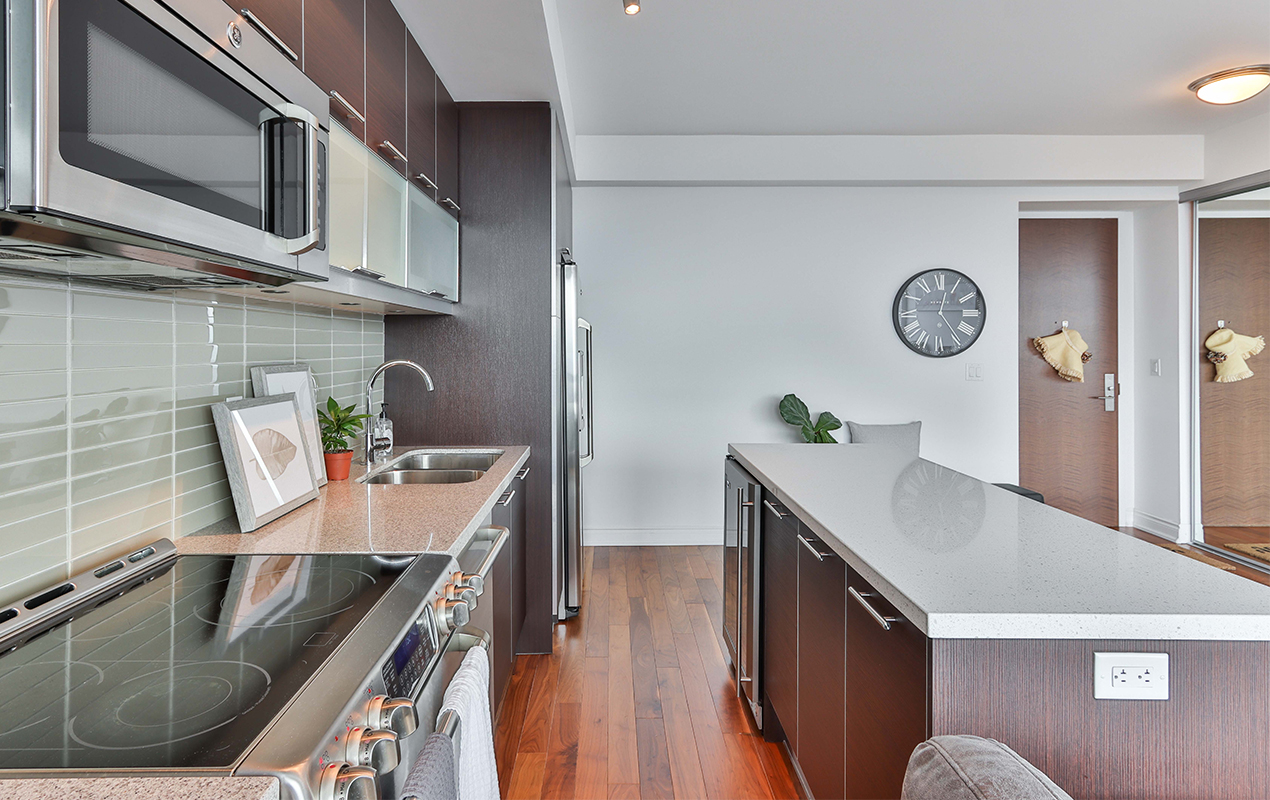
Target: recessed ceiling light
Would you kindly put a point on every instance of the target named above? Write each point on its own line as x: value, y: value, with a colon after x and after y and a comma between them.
x: 631, y: 7
x: 1232, y: 85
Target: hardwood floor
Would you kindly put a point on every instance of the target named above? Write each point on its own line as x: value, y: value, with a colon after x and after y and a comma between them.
x: 636, y: 699
x: 1241, y: 569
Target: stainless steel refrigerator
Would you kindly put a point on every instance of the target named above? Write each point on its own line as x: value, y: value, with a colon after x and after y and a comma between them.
x: 575, y: 440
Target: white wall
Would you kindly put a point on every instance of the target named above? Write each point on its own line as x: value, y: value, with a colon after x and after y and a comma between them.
x: 710, y: 303
x: 1238, y: 150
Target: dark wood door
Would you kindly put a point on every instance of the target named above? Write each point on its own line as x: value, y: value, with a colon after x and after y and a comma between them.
x: 780, y: 622
x: 1068, y: 446
x: 334, y: 55
x: 885, y: 696
x: 447, y: 149
x: 285, y: 18
x: 822, y: 633
x: 1234, y: 418
x: 421, y: 118
x: 386, y: 82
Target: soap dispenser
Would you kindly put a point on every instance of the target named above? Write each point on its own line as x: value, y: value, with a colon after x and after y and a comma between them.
x: 381, y: 433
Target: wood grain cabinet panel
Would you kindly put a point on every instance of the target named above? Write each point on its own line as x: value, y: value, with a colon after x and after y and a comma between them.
x: 886, y: 695
x: 285, y: 18
x: 421, y: 118
x: 334, y: 55
x: 780, y: 623
x: 447, y: 149
x: 822, y: 632
x: 386, y: 82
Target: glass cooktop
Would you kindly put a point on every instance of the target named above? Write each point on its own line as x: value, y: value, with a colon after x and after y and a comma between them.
x: 185, y: 670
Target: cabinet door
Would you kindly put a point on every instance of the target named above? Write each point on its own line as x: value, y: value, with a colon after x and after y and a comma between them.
x: 822, y: 640
x: 421, y: 119
x: 499, y: 591
x: 386, y: 83
x: 518, y: 559
x: 447, y: 150
x: 283, y: 18
x: 346, y: 198
x: 780, y: 621
x: 886, y: 694
x: 387, y: 212
x: 434, y: 248
x: 334, y: 56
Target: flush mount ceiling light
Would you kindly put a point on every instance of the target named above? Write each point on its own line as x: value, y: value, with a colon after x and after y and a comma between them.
x: 1232, y: 85
x: 631, y: 7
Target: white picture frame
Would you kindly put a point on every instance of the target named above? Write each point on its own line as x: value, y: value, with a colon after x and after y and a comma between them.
x: 266, y: 457
x: 274, y: 379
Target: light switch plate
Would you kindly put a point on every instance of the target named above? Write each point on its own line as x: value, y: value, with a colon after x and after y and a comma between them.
x: 1131, y: 676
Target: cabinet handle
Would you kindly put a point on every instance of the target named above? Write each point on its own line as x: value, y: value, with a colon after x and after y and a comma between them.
x: 259, y: 25
x: 392, y: 148
x: 447, y: 201
x: 427, y: 180
x: 352, y: 112
x: 370, y: 273
x: 885, y: 622
x: 524, y: 473
x: 815, y: 551
x: 507, y: 497
x: 435, y: 293
x: 779, y: 514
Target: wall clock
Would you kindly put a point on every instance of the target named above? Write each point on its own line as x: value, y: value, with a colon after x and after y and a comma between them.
x: 938, y: 313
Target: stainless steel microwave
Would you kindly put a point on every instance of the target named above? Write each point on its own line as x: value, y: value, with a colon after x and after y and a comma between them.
x: 173, y: 143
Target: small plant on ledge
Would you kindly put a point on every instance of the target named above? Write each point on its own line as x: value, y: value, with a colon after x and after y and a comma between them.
x: 794, y: 411
x: 338, y: 425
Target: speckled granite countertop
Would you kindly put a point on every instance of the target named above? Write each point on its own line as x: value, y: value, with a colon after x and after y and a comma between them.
x: 142, y: 788
x: 964, y: 559
x: 351, y: 517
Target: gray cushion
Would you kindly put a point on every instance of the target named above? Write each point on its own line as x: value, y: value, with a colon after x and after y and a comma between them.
x: 972, y: 768
x: 907, y: 437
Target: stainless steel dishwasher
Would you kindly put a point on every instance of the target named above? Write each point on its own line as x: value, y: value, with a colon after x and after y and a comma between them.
x: 742, y: 582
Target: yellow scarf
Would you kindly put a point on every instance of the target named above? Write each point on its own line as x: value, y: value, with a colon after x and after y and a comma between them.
x: 1066, y: 352
x: 1227, y: 350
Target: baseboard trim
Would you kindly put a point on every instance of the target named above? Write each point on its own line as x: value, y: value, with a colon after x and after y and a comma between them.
x: 1156, y: 526
x: 651, y: 537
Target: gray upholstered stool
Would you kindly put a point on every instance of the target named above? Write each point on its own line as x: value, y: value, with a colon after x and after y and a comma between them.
x: 973, y: 768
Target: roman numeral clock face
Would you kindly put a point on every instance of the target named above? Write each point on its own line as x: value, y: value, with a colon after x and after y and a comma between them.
x: 939, y: 313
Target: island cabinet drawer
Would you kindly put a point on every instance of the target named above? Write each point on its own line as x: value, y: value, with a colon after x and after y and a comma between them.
x: 886, y: 692
x: 780, y: 623
x: 822, y: 640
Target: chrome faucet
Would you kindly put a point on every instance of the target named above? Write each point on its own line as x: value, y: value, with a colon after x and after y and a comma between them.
x: 370, y: 385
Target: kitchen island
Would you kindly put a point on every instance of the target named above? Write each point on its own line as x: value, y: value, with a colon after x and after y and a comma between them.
x: 902, y: 599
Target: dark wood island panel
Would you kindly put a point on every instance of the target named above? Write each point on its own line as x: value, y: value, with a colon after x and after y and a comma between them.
x: 1210, y: 739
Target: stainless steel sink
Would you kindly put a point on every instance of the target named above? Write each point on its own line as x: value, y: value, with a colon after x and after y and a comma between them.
x: 400, y: 476
x: 444, y: 461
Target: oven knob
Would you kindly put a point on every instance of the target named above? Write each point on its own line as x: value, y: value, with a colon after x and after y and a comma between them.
x: 467, y: 594
x: 452, y: 614
x: 342, y: 781
x: 471, y: 581
x: 372, y: 748
x: 396, y: 714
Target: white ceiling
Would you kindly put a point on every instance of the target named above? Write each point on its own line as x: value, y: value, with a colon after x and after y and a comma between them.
x: 916, y: 67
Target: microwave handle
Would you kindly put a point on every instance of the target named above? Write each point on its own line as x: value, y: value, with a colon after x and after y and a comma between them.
x: 307, y: 242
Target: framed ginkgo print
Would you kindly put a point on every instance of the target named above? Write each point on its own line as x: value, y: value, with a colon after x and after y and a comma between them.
x: 273, y: 379
x: 266, y: 457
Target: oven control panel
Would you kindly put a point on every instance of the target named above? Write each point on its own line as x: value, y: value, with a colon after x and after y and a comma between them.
x: 410, y: 659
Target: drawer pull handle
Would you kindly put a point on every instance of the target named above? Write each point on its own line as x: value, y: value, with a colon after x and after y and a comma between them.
x: 353, y: 113
x: 815, y: 551
x: 779, y: 514
x: 507, y: 498
x: 524, y: 473
x: 885, y: 622
x: 392, y: 148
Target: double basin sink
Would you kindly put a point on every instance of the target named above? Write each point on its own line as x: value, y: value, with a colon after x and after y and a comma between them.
x: 433, y: 466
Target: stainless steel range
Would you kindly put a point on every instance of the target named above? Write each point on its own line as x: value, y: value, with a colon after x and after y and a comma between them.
x: 316, y: 669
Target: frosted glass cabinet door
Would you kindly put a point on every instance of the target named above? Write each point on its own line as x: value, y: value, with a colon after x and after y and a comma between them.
x: 434, y: 248
x: 347, y: 198
x: 386, y: 221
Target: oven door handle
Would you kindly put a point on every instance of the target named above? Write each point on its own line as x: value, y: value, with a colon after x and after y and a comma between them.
x: 309, y: 240
x: 499, y: 536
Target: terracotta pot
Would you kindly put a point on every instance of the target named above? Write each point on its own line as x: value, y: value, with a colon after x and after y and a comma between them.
x: 337, y: 465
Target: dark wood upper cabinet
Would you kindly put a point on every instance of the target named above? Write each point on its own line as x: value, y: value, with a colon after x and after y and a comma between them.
x: 283, y: 18
x: 334, y: 56
x: 447, y: 150
x: 421, y: 118
x: 886, y: 694
x: 822, y: 634
x: 780, y: 622
x: 386, y: 82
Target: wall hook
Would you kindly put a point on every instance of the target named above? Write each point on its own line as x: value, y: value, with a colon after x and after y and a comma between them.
x: 1221, y: 323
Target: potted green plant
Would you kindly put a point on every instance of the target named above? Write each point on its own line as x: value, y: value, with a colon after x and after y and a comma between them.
x: 794, y: 411
x: 339, y: 424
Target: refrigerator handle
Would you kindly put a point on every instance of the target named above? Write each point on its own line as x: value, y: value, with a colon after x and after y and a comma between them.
x: 584, y: 391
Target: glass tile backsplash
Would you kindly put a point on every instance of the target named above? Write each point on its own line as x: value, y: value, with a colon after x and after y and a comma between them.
x: 106, y: 436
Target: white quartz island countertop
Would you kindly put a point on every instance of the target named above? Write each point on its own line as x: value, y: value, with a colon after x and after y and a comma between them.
x: 964, y: 559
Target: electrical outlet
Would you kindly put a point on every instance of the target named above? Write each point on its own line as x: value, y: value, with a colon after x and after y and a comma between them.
x: 1131, y: 676
x: 974, y: 372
